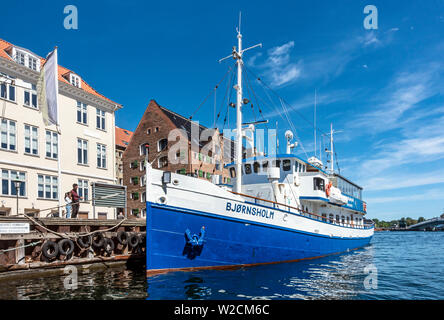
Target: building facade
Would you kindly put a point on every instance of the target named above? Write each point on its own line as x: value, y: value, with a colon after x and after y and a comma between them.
x: 150, y: 142
x: 29, y: 150
x: 123, y: 137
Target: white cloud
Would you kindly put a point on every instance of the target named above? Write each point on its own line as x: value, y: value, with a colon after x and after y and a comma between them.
x: 404, y: 180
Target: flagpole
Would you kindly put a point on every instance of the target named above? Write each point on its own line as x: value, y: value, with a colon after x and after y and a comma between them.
x: 59, y: 155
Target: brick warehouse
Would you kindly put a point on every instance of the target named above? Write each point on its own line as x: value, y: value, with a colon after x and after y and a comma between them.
x: 153, y: 130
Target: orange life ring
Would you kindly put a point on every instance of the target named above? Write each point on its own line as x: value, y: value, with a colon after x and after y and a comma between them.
x: 365, y: 207
x: 327, y: 191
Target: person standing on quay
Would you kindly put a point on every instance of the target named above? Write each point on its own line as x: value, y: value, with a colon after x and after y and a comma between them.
x: 75, y: 200
x: 68, y: 202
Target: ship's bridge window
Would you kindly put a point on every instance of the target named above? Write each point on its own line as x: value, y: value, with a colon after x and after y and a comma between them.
x: 286, y: 165
x: 318, y: 184
x: 256, y: 167
x: 233, y: 172
x: 277, y: 163
x: 337, y: 218
x: 297, y: 166
x: 247, y: 168
x: 264, y: 165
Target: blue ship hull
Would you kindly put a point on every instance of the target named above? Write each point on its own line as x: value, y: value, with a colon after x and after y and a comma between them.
x: 229, y: 241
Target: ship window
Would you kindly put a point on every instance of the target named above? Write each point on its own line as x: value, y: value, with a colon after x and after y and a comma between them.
x: 256, y: 167
x: 264, y: 165
x: 318, y: 184
x: 248, y: 168
x: 277, y: 163
x: 286, y: 165
x: 342, y: 219
x: 337, y: 217
x: 233, y: 172
x: 296, y: 166
x: 324, y: 217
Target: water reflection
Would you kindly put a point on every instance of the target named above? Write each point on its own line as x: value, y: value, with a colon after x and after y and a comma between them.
x: 111, y: 283
x: 334, y: 277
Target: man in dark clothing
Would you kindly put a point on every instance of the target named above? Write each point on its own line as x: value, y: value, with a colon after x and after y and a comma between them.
x: 75, y: 200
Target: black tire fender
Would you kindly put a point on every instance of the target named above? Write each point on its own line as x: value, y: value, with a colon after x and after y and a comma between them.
x: 108, y: 245
x: 98, y: 240
x: 122, y: 237
x: 66, y: 243
x: 133, y: 240
x: 84, y: 241
x: 142, y: 240
x: 50, y: 249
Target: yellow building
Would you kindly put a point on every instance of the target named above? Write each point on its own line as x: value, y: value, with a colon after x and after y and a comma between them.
x: 29, y: 150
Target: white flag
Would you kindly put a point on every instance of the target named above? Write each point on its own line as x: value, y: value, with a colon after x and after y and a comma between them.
x: 48, y: 88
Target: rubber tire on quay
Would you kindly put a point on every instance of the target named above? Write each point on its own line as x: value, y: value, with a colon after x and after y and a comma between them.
x: 109, y: 250
x: 62, y: 243
x: 133, y: 240
x: 98, y: 240
x: 122, y: 237
x: 84, y: 244
x: 142, y: 240
x: 50, y: 245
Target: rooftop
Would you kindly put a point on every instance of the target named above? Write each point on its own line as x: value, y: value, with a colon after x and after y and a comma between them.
x: 62, y: 71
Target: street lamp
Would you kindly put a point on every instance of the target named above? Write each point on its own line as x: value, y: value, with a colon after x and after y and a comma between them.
x: 17, y: 185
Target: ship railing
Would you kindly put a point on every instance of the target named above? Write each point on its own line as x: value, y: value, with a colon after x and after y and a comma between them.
x: 305, y: 213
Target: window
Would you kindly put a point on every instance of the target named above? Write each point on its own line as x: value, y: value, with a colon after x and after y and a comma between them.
x: 163, y: 162
x: 277, y: 163
x: 82, y: 113
x: 101, y: 156
x: 100, y: 119
x: 233, y: 172
x: 82, y: 151
x: 286, y: 165
x: 264, y: 166
x: 248, y: 168
x: 156, y: 129
x: 51, y: 144
x: 318, y: 184
x: 143, y: 199
x: 256, y: 167
x: 32, y: 63
x: 7, y: 90
x: 30, y: 97
x: 83, y: 189
x: 8, y: 186
x: 20, y: 58
x: 75, y: 80
x: 148, y: 131
x: 142, y: 180
x: 8, y: 135
x: 47, y: 187
x: 162, y: 144
x: 144, y: 149
x: 31, y: 140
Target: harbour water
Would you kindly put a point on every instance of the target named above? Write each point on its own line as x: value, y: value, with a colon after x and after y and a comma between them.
x: 410, y: 265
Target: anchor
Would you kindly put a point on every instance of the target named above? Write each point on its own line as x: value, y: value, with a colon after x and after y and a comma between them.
x: 195, y: 240
x: 194, y: 243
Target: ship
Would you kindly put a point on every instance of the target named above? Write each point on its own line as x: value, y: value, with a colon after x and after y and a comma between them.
x: 278, y: 208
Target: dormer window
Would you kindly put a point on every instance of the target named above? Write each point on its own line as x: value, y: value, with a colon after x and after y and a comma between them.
x: 32, y: 63
x: 20, y: 58
x: 75, y: 80
x: 25, y: 58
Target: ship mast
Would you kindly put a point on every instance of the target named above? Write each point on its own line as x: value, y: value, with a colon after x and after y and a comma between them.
x: 238, y: 54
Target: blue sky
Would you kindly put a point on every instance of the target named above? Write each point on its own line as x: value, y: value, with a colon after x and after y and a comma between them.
x: 383, y: 88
